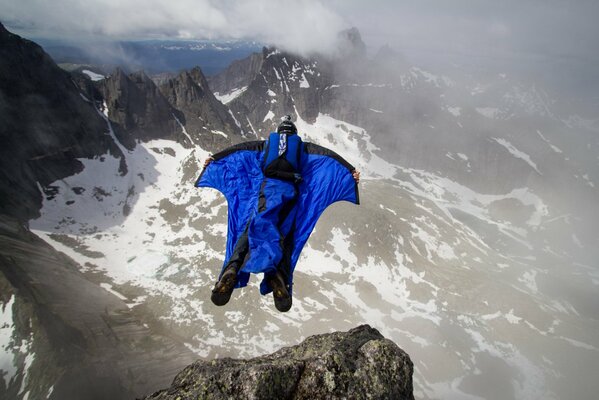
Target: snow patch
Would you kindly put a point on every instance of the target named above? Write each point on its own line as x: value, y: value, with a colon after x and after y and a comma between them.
x: 489, y: 112
x: 517, y: 153
x: 304, y: 82
x: 455, y: 111
x: 93, y: 76
x: 108, y: 287
x: 232, y: 95
x: 6, y: 345
x: 350, y: 141
x: 269, y: 116
x: 217, y: 132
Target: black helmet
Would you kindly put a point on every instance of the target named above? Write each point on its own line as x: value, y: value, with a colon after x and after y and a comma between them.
x: 286, y: 126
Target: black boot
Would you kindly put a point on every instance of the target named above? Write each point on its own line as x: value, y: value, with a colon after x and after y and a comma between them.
x: 280, y: 293
x: 224, y: 287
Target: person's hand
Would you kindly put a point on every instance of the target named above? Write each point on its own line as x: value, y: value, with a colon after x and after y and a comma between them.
x: 208, y: 161
x: 356, y: 175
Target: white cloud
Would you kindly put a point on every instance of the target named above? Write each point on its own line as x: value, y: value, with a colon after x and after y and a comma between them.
x: 301, y: 25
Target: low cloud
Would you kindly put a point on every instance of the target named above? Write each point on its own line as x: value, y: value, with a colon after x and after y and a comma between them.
x: 300, y: 25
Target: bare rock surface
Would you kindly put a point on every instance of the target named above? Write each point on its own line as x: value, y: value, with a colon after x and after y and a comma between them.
x: 359, y: 364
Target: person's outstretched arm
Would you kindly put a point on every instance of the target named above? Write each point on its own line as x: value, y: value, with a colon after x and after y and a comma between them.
x: 252, y: 145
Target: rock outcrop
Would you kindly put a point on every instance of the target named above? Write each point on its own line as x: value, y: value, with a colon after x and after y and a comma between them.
x: 359, y: 364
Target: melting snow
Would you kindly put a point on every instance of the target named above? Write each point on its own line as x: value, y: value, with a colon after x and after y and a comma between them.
x: 6, y: 346
x: 517, y: 153
x: 489, y: 112
x: 108, y: 287
x: 269, y: 116
x: 455, y: 111
x: 217, y: 132
x: 554, y: 148
x: 304, y: 82
x: 350, y: 141
x: 92, y: 75
x: 228, y: 97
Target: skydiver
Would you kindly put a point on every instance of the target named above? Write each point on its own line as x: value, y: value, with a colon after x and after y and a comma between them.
x: 276, y: 190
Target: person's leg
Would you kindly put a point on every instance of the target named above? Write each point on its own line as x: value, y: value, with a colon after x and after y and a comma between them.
x: 228, y: 278
x: 280, y: 282
x: 240, y: 251
x: 264, y: 236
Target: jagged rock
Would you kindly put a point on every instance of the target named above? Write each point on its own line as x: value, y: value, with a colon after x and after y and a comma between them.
x: 359, y: 364
x: 46, y: 125
x: 350, y: 43
x: 206, y: 120
x: 285, y: 83
x: 137, y: 108
x: 238, y: 75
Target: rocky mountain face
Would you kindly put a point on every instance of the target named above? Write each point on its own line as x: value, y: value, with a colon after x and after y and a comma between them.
x: 46, y: 126
x: 205, y: 119
x: 237, y: 75
x: 137, y: 109
x: 359, y: 364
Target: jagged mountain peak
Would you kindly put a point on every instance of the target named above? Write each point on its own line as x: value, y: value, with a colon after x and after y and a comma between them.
x: 137, y: 108
x: 205, y: 119
x: 350, y: 43
x: 198, y: 76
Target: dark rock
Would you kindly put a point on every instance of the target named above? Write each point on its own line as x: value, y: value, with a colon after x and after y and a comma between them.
x: 239, y: 74
x: 200, y: 112
x: 285, y: 83
x: 46, y: 125
x: 350, y: 43
x: 359, y: 364
x: 137, y: 108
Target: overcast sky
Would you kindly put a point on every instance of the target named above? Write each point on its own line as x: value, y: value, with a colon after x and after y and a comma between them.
x: 505, y: 29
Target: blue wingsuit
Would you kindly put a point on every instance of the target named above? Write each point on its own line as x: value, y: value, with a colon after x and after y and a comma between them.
x: 276, y: 190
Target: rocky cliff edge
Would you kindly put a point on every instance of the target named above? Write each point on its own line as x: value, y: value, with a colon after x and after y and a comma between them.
x: 359, y: 364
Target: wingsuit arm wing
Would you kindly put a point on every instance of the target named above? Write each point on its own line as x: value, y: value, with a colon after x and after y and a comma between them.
x: 235, y: 172
x: 327, y: 178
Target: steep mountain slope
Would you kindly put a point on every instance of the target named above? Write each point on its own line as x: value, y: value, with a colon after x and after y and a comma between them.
x: 206, y: 120
x: 66, y: 337
x: 137, y: 109
x: 45, y: 128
